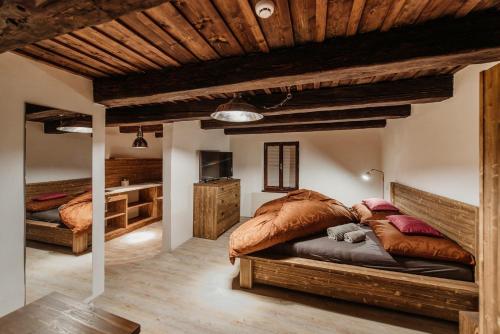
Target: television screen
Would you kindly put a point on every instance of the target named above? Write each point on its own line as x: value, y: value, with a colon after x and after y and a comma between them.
x: 215, y: 165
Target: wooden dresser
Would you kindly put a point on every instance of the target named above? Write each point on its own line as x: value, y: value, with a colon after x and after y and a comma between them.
x: 216, y: 207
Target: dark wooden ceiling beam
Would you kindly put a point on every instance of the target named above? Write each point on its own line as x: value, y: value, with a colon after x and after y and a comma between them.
x: 308, y: 127
x: 145, y: 128
x: 444, y: 42
x: 389, y: 93
x: 25, y: 22
x: 366, y: 114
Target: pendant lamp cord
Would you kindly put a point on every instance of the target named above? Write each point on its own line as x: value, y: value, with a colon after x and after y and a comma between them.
x: 288, y: 97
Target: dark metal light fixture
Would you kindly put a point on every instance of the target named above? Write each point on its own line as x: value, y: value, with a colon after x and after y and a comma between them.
x: 140, y: 142
x: 237, y: 110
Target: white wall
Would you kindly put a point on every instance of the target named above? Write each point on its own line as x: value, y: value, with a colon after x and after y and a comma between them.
x: 119, y: 145
x: 53, y: 157
x: 437, y: 148
x: 181, y: 143
x: 330, y: 162
x: 21, y: 81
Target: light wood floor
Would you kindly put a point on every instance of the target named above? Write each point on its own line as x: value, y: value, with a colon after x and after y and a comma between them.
x: 195, y: 290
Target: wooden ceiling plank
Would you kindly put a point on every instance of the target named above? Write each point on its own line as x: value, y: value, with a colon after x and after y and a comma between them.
x: 309, y: 127
x: 77, y: 55
x: 143, y: 25
x: 466, y: 8
x: 128, y: 38
x: 434, y: 9
x: 388, y: 93
x: 317, y: 117
x: 27, y: 22
x: 355, y: 17
x: 338, y: 17
x: 392, y: 15
x: 277, y: 29
x: 96, y: 52
x: 167, y: 17
x: 472, y: 39
x: 51, y: 63
x: 303, y: 13
x: 374, y: 13
x: 410, y: 12
x: 320, y: 19
x: 92, y: 35
x: 239, y: 16
x: 205, y: 18
x: 60, y: 60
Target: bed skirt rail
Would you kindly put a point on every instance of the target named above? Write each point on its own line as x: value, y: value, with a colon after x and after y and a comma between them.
x: 429, y: 296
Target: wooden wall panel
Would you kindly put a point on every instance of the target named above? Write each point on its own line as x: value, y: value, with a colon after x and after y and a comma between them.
x: 74, y: 186
x: 135, y: 170
x: 489, y: 259
x: 457, y: 220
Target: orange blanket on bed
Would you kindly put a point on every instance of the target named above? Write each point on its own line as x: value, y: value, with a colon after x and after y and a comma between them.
x: 77, y: 213
x: 298, y: 214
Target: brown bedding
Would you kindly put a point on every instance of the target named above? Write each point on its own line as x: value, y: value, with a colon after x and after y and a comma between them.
x: 364, y: 214
x: 77, y: 213
x: 300, y: 213
x: 37, y: 206
x: 397, y: 243
x: 370, y: 254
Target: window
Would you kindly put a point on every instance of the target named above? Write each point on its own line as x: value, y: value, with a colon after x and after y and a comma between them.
x: 281, y: 166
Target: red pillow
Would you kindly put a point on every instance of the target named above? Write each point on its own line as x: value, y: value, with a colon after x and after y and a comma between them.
x: 379, y: 204
x: 49, y: 196
x: 413, y: 226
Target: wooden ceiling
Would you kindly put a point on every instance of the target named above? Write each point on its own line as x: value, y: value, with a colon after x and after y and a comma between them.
x: 181, y: 32
x: 180, y: 35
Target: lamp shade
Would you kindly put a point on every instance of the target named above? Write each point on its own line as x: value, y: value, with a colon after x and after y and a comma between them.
x: 237, y: 110
x: 75, y: 126
x: 140, y: 142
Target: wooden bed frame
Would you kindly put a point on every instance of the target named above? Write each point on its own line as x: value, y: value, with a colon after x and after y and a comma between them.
x: 53, y: 233
x: 430, y: 296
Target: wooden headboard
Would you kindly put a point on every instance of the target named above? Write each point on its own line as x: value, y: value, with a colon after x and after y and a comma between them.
x: 74, y: 186
x: 457, y: 220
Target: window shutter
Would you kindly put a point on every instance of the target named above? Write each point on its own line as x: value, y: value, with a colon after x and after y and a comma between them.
x: 273, y: 166
x: 289, y: 166
x: 281, y: 166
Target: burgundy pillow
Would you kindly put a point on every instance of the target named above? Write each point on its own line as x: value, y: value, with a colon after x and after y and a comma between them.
x: 49, y: 196
x: 413, y: 226
x: 379, y: 204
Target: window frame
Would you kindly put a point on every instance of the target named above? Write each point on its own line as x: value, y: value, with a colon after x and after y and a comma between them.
x: 280, y: 188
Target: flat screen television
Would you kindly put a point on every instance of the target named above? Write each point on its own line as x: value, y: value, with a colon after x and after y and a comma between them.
x: 215, y: 165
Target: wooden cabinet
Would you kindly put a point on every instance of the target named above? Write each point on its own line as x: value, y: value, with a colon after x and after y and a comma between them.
x: 216, y: 207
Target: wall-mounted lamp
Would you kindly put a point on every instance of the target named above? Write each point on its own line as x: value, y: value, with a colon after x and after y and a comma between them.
x: 367, y: 176
x: 140, y: 142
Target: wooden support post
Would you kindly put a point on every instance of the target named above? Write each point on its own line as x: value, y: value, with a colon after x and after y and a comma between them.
x: 246, y: 275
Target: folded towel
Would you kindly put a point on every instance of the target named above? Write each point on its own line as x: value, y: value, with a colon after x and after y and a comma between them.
x: 338, y: 232
x: 355, y: 236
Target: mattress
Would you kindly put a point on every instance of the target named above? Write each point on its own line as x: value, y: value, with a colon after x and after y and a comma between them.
x: 51, y: 216
x: 371, y: 254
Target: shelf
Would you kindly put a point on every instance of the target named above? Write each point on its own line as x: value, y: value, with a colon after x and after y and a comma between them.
x: 138, y: 204
x: 112, y: 228
x: 138, y: 220
x: 112, y: 214
x: 159, y: 198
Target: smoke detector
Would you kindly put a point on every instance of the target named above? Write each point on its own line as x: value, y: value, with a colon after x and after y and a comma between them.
x: 264, y: 8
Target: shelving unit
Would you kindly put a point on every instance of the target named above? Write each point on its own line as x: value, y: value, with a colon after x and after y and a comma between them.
x: 132, y: 207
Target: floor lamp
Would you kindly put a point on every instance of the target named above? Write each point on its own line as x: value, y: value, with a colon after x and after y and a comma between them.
x: 367, y: 176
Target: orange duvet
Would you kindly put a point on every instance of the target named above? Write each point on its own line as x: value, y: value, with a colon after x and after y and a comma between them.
x: 300, y: 213
x: 77, y: 213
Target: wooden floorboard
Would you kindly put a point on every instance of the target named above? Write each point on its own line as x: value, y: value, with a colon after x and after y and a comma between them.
x: 196, y: 290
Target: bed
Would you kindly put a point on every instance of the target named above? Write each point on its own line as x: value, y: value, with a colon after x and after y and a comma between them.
x: 441, y: 297
x: 46, y: 226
